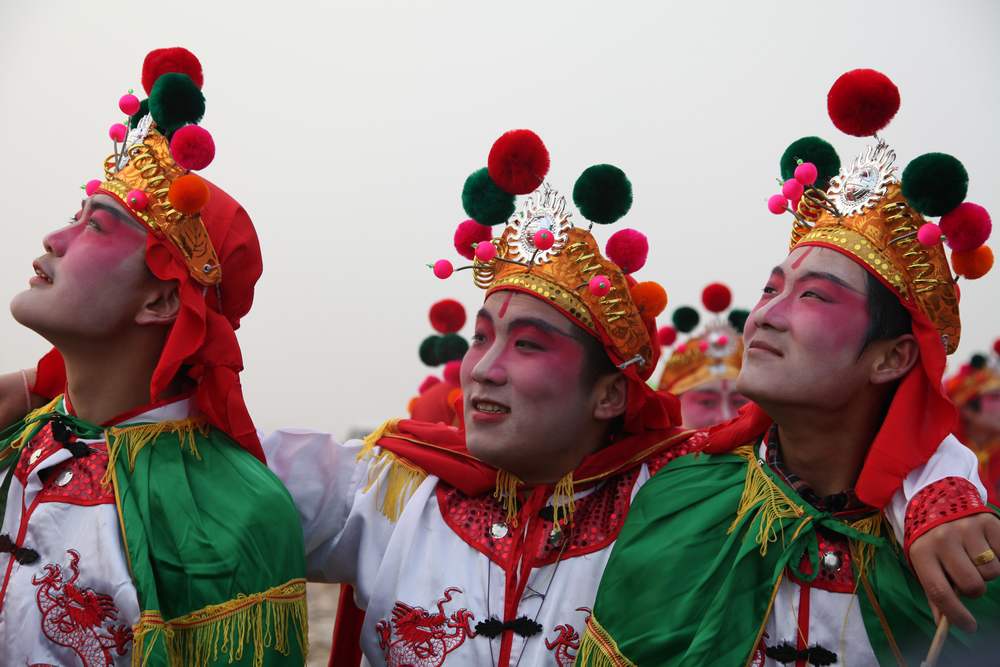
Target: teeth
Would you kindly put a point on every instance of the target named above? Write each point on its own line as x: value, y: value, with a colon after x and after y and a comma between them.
x: 43, y: 275
x: 493, y: 408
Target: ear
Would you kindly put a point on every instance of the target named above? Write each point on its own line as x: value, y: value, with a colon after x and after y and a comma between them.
x: 611, y: 394
x: 161, y: 304
x: 893, y: 359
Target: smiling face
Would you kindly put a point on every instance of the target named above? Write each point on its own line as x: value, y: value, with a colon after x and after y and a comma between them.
x: 92, y: 280
x: 529, y: 406
x: 985, y: 414
x: 805, y: 336
x: 710, y: 403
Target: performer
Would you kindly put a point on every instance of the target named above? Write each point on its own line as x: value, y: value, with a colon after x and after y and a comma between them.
x: 975, y: 389
x: 701, y: 370
x: 140, y: 524
x: 787, y: 538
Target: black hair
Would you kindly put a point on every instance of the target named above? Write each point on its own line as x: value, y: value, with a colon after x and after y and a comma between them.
x: 887, y: 317
x: 596, y: 362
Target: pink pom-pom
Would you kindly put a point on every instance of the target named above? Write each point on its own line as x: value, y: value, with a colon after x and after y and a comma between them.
x: 137, y: 200
x: 806, y: 173
x: 91, y: 187
x: 929, y: 234
x: 599, y: 285
x: 966, y: 227
x: 485, y: 251
x: 628, y: 248
x: 452, y: 371
x: 777, y: 204
x: 468, y: 234
x: 118, y: 132
x: 667, y: 335
x: 543, y: 239
x: 443, y: 269
x: 703, y: 346
x: 428, y: 382
x: 681, y: 349
x: 722, y: 341
x: 129, y: 104
x: 792, y: 189
x: 192, y: 147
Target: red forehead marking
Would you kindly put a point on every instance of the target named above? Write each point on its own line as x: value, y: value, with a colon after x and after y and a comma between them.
x: 802, y: 257
x: 503, y: 308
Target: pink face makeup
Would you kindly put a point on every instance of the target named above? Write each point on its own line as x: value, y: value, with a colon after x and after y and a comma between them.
x: 710, y: 403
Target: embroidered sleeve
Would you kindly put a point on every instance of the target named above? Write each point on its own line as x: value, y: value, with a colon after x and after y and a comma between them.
x: 938, y: 503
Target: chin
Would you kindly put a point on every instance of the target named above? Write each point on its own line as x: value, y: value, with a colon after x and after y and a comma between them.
x: 25, y: 310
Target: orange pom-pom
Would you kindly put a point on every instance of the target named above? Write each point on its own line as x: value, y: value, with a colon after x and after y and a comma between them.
x: 188, y: 194
x: 972, y: 264
x: 650, y: 298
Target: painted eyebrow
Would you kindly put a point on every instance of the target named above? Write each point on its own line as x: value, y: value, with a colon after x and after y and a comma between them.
x: 823, y: 275
x: 118, y: 213
x: 778, y: 271
x: 527, y: 322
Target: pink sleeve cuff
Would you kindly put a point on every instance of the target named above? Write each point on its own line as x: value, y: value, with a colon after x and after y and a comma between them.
x: 937, y: 503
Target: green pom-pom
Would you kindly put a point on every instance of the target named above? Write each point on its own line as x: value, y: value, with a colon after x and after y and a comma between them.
x: 175, y: 101
x: 738, y: 318
x: 603, y: 194
x: 685, y: 319
x: 484, y: 201
x: 815, y: 150
x: 453, y: 347
x: 978, y: 361
x: 430, y: 351
x: 134, y: 119
x: 935, y: 183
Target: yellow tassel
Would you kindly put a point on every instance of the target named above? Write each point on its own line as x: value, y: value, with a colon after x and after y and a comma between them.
x: 198, y: 639
x: 134, y: 438
x: 29, y: 431
x: 563, y: 503
x: 506, y: 492
x: 862, y: 553
x: 765, y: 499
x: 598, y: 649
x: 401, y: 477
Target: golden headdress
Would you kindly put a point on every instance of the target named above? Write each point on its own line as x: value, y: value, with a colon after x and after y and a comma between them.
x: 979, y: 376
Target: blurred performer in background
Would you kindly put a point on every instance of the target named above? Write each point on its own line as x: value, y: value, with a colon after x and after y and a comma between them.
x: 975, y: 389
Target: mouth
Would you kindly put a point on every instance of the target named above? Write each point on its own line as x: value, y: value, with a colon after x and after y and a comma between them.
x: 764, y: 347
x: 41, y: 277
x: 487, y: 410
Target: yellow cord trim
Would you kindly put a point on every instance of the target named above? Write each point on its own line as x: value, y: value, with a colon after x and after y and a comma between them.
x: 506, y: 492
x: 862, y: 553
x: 29, y: 431
x: 763, y: 497
x: 266, y: 620
x: 401, y: 477
x: 563, y: 503
x: 134, y: 438
x: 598, y: 649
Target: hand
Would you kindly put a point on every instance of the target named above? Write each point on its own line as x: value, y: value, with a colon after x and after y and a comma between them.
x: 943, y: 561
x: 13, y: 403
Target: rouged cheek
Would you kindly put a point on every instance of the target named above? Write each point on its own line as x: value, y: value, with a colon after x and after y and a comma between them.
x: 834, y: 326
x: 545, y: 372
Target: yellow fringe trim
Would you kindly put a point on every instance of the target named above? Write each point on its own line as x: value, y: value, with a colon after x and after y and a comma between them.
x: 401, y: 480
x: 134, y: 438
x: 199, y: 638
x: 506, y: 493
x: 769, y: 503
x: 21, y: 439
x: 598, y: 649
x: 563, y: 503
x: 862, y: 553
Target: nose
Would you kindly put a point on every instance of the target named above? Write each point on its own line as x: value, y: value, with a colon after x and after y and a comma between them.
x: 771, y: 315
x: 55, y: 242
x: 489, y: 369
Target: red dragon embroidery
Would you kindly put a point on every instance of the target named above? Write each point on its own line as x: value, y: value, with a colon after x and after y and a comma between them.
x: 566, y: 639
x: 74, y: 617
x: 423, y: 637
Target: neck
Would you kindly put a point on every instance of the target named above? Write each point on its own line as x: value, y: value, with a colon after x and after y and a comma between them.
x: 558, y: 466
x: 104, y: 380
x: 827, y: 447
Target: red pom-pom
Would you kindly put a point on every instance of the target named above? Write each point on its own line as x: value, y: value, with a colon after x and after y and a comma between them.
x: 861, y: 102
x: 543, y: 239
x: 972, y: 264
x: 188, y: 194
x: 996, y: 346
x: 967, y: 226
x: 650, y: 298
x: 175, y: 59
x: 468, y: 234
x: 518, y: 162
x: 666, y: 335
x: 447, y: 316
x: 452, y: 372
x: 628, y: 249
x: 428, y: 382
x: 192, y: 147
x: 716, y: 297
x: 443, y: 269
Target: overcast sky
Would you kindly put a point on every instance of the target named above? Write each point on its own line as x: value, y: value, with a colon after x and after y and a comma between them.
x: 347, y: 130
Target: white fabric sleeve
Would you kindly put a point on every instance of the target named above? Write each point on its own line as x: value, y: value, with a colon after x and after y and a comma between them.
x: 952, y: 459
x: 341, y: 524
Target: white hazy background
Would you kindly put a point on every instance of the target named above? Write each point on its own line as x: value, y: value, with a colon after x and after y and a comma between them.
x: 347, y: 130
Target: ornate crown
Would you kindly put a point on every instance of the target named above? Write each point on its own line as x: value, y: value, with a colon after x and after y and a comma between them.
x: 870, y: 213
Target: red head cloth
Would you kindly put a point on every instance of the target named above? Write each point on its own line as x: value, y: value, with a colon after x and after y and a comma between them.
x: 202, y: 342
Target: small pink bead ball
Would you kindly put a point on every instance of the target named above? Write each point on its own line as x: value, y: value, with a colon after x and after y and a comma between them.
x: 929, y: 234
x: 443, y: 268
x: 129, y: 104
x: 792, y: 189
x: 543, y: 239
x: 806, y: 173
x: 703, y: 346
x: 722, y: 341
x: 117, y: 132
x: 485, y: 251
x: 599, y: 285
x: 777, y: 204
x: 137, y: 200
x: 92, y: 186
